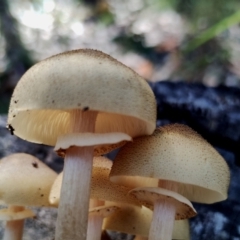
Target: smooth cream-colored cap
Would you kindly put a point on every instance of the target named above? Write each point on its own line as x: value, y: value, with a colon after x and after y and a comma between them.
x: 174, y: 153
x: 83, y: 79
x: 25, y: 181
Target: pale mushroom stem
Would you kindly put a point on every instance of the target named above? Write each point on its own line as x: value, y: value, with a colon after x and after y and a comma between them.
x: 94, y: 231
x: 75, y: 192
x: 14, y: 229
x: 163, y: 221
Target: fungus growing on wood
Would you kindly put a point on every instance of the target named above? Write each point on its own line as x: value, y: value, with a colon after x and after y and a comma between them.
x: 75, y: 92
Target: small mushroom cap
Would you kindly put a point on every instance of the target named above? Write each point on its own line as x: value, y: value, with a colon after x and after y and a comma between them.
x: 101, y: 187
x: 9, y: 215
x: 178, y: 154
x: 147, y: 196
x: 103, y: 211
x: 25, y: 181
x: 83, y: 79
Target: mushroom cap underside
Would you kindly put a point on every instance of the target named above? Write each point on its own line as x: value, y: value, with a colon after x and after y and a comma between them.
x: 87, y: 80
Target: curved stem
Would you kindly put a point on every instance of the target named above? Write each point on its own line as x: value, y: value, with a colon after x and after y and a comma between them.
x: 14, y: 229
x: 162, y: 221
x: 75, y: 192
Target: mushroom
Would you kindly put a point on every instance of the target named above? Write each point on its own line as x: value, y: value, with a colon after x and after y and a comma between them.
x: 102, y: 191
x: 175, y: 158
x: 78, y: 94
x: 24, y: 181
x: 136, y: 221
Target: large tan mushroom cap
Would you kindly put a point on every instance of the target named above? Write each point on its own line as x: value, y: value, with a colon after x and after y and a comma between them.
x: 25, y: 181
x: 88, y: 80
x: 175, y: 153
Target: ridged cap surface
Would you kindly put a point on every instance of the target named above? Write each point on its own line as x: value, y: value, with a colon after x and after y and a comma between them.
x: 175, y: 153
x: 25, y: 181
x: 82, y: 79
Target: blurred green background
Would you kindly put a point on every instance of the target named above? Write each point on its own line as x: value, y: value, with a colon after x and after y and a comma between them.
x: 189, y: 40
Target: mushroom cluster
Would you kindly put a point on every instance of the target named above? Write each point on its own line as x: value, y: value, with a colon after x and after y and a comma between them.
x: 85, y: 103
x: 111, y: 208
x: 169, y: 168
x: 105, y: 198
